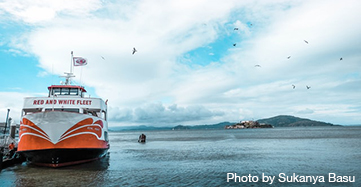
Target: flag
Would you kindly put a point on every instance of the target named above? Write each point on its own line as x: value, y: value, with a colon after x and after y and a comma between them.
x: 79, y: 61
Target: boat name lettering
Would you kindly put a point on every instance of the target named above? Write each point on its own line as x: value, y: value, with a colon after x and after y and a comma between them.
x: 62, y: 101
x: 38, y: 102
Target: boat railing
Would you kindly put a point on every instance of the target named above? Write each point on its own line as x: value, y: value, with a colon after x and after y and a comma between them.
x: 5, y: 140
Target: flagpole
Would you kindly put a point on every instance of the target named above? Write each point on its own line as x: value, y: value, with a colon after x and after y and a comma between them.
x: 71, y: 62
x: 81, y: 72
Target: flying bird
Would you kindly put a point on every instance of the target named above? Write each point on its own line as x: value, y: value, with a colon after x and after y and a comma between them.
x: 306, y: 41
x: 340, y: 58
x: 236, y: 29
x: 102, y: 57
x: 288, y: 57
x: 293, y: 86
x: 234, y: 44
x: 134, y: 50
x: 257, y: 65
x: 308, y: 87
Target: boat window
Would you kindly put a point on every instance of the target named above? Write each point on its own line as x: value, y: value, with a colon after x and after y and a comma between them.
x: 29, y: 111
x: 104, y: 115
x: 90, y: 112
x: 56, y: 91
x: 65, y: 91
x: 74, y: 91
x: 64, y: 109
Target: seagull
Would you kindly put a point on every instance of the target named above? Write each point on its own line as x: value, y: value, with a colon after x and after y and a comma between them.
x: 340, y: 58
x: 134, y: 50
x: 257, y: 65
x: 102, y: 57
x: 288, y: 57
x: 234, y: 44
x: 236, y: 29
x: 293, y: 86
x: 308, y: 87
x: 306, y: 41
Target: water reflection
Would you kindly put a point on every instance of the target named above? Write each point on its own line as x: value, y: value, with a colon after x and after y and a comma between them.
x: 97, y: 165
x: 95, y: 173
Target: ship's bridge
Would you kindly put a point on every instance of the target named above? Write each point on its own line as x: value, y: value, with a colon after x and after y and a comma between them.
x: 66, y: 90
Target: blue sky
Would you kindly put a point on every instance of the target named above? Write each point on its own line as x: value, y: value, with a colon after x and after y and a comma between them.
x: 186, y: 69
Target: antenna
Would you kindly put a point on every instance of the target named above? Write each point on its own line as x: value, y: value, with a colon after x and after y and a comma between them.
x: 68, y: 77
x: 71, y: 62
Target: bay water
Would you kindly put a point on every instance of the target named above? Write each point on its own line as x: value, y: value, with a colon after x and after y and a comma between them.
x: 293, y: 156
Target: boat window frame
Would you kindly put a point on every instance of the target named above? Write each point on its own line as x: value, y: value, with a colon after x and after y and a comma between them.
x: 74, y: 110
x: 103, y: 114
x: 65, y: 91
x: 30, y: 111
x: 55, y: 91
x: 74, y: 90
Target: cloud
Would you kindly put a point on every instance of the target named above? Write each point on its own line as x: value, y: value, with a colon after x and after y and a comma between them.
x: 13, y: 101
x: 42, y: 74
x: 159, y: 114
x: 306, y: 111
x: 169, y: 81
x: 41, y: 10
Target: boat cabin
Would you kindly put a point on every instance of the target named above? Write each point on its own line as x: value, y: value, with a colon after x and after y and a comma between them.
x: 67, y: 98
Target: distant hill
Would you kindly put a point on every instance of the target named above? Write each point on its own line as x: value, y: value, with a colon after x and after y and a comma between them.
x: 292, y: 121
x: 178, y: 127
x: 213, y: 126
x: 277, y: 121
x: 138, y: 128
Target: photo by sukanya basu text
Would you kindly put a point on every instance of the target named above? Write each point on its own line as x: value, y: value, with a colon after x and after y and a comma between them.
x: 293, y: 178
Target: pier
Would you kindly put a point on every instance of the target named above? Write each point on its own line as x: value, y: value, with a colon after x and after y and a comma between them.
x: 8, y: 144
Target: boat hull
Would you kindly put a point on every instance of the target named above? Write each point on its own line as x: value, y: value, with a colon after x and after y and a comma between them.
x: 63, y: 157
x: 59, y: 139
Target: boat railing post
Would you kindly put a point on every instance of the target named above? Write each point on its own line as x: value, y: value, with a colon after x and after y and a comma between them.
x: 53, y: 101
x: 6, y: 122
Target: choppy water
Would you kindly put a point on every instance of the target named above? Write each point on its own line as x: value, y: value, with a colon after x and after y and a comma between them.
x: 203, y: 158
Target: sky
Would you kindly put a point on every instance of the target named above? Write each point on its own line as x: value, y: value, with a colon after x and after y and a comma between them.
x: 197, y: 61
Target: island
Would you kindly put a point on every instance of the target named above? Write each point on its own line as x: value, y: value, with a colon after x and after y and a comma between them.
x: 292, y: 121
x: 248, y: 125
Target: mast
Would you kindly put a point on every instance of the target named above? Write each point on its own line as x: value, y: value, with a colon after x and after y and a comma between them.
x: 70, y: 75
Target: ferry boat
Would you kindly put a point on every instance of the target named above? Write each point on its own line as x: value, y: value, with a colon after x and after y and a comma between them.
x: 64, y: 128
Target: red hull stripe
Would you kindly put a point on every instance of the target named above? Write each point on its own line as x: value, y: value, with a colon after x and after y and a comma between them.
x: 26, y: 124
x: 77, y: 141
x: 87, y: 121
x: 91, y: 129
